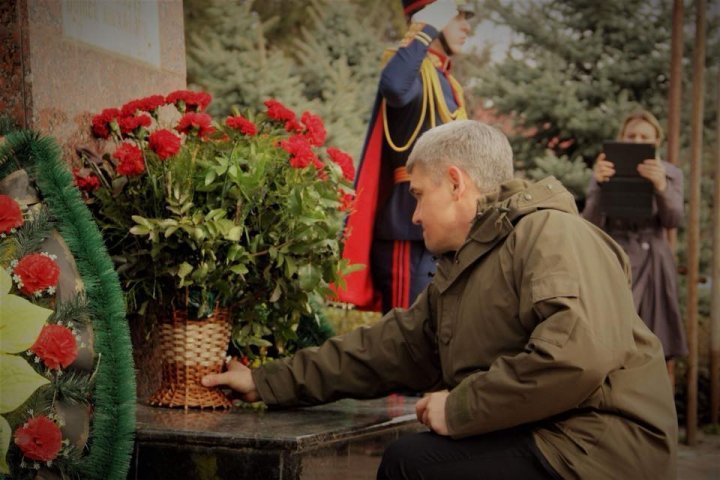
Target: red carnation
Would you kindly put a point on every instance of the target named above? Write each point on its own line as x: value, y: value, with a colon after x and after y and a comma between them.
x: 147, y: 104
x: 278, y: 111
x: 130, y: 160
x: 199, y: 121
x: 36, y: 272
x: 39, y: 439
x: 86, y: 183
x: 242, y: 124
x: 315, y: 130
x: 56, y: 346
x: 10, y: 214
x: 164, y: 143
x: 131, y: 124
x: 301, y: 154
x: 186, y: 100
x: 101, y: 122
x: 344, y: 160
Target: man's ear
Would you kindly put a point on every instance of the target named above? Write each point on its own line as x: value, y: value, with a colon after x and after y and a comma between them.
x: 457, y: 181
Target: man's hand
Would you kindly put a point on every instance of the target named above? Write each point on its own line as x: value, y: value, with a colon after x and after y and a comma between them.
x: 654, y: 170
x: 430, y: 411
x: 603, y: 169
x: 238, y: 377
x: 438, y: 14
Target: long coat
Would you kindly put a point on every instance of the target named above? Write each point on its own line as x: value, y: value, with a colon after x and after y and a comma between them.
x: 653, y: 265
x: 530, y: 322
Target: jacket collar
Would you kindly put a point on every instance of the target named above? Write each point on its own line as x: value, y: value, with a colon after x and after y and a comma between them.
x: 496, y: 218
x: 441, y: 61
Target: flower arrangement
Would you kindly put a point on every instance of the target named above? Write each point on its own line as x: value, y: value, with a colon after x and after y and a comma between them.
x: 248, y: 211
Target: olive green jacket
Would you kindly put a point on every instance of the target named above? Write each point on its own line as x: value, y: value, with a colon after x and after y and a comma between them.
x: 530, y: 322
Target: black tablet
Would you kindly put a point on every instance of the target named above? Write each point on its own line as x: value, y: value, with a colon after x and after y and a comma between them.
x: 627, y: 155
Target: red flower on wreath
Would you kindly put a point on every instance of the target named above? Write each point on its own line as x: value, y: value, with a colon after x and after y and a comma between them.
x: 130, y: 160
x: 55, y: 346
x: 242, y: 124
x: 11, y: 216
x: 315, y: 130
x: 301, y: 153
x: 101, y: 123
x: 39, y: 439
x: 86, y: 183
x: 35, y: 273
x: 196, y: 121
x: 344, y: 160
x: 164, y: 143
x: 187, y: 100
x: 147, y: 104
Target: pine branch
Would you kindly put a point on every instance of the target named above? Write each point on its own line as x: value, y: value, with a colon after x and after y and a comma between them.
x: 33, y: 233
x: 74, y: 388
x: 74, y: 310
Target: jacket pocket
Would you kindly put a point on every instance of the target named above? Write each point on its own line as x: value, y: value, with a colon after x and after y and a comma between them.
x: 553, y: 296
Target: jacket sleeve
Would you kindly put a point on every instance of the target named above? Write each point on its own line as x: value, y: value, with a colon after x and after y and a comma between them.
x: 670, y: 202
x: 592, y: 211
x: 397, y: 352
x: 573, y: 343
x: 400, y: 81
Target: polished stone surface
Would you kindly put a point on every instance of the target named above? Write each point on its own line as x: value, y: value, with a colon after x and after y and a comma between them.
x: 344, y: 438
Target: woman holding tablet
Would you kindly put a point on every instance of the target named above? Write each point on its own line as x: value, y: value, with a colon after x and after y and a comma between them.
x: 644, y: 240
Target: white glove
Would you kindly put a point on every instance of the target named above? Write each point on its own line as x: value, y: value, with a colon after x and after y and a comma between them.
x: 438, y: 14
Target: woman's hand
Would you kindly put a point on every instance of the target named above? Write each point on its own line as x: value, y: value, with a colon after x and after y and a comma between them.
x: 238, y: 377
x: 603, y: 169
x: 654, y: 170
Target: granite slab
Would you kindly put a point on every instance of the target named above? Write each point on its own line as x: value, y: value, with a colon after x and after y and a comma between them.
x: 344, y: 438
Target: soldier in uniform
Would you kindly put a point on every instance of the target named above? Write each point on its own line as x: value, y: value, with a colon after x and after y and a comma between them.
x: 416, y: 93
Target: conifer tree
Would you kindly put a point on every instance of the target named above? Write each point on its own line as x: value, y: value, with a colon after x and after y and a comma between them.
x: 228, y: 55
x: 339, y: 59
x: 576, y: 68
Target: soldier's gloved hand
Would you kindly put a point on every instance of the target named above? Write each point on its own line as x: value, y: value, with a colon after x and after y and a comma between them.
x: 438, y: 14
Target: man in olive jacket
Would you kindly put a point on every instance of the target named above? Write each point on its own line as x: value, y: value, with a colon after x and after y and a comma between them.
x: 527, y: 338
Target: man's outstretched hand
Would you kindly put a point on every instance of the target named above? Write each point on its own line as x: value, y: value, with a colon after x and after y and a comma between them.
x: 238, y: 377
x: 430, y: 411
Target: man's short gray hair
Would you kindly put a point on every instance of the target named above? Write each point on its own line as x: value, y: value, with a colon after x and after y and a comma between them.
x: 481, y: 151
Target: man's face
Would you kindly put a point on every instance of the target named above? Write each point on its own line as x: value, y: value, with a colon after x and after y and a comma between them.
x: 437, y: 212
x: 456, y: 32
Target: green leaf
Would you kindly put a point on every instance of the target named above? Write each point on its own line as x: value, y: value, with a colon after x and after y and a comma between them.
x: 210, y: 177
x: 276, y: 294
x: 309, y: 277
x: 18, y: 380
x: 239, y: 269
x: 20, y: 322
x: 5, y: 435
x: 137, y: 230
x: 234, y: 234
x: 184, y: 270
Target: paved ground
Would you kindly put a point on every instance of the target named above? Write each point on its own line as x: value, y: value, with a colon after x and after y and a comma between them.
x: 702, y: 461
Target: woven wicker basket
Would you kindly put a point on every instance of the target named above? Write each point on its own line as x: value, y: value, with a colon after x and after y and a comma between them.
x: 191, y: 349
